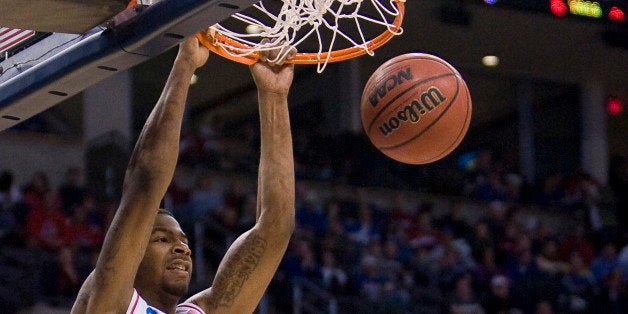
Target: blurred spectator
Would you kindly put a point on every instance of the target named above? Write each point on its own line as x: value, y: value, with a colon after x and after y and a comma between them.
x: 391, y: 261
x: 477, y: 174
x: 371, y: 281
x: 47, y: 233
x: 447, y: 265
x: 9, y: 197
x: 464, y: 299
x: 71, y: 190
x: 191, y: 147
x: 576, y: 241
x: 86, y: 232
x: 335, y: 238
x: 333, y: 277
x: 579, y: 285
x: 582, y: 196
x: 34, y: 190
x: 513, y: 184
x: 551, y: 191
x: 622, y: 260
x: 496, y: 218
x: 486, y: 269
x: 511, y: 242
x: 591, y: 208
x: 235, y: 195
x: 300, y: 260
x: 549, y: 262
x: 179, y: 192
x: 540, y: 233
x: 614, y: 295
x: 364, y: 229
x: 492, y: 188
x: 401, y: 221
x: 455, y: 221
x: 481, y: 240
x: 373, y: 252
x: 206, y: 199
x: 499, y: 300
x: 310, y: 216
x: 544, y: 306
x: 9, y: 191
x: 424, y: 233
x: 213, y: 146
x: 525, y: 278
x: 46, y: 224
x: 618, y: 183
x: 605, y: 262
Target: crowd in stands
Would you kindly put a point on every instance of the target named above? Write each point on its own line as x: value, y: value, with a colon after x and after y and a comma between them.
x: 459, y: 249
x: 61, y: 229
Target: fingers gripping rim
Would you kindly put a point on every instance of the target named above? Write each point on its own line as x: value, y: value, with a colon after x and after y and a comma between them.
x: 209, y: 42
x: 219, y: 44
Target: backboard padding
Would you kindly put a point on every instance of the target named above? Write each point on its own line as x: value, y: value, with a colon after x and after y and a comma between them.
x: 59, y: 16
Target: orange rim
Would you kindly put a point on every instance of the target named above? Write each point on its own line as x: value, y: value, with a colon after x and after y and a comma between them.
x: 210, y: 41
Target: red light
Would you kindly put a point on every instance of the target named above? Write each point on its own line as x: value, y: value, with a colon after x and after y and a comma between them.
x: 616, y: 14
x: 558, y: 8
x: 614, y: 106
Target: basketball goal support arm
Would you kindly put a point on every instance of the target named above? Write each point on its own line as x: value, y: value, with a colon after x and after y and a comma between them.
x: 101, y: 55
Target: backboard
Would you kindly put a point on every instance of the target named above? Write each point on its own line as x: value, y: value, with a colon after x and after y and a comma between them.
x: 77, y: 55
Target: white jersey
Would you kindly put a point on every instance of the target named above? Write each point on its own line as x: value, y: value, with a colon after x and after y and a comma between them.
x: 139, y: 306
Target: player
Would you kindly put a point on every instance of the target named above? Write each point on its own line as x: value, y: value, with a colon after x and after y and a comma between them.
x: 145, y: 264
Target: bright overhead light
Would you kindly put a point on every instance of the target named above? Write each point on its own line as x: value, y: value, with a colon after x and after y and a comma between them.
x: 490, y: 60
x: 254, y: 29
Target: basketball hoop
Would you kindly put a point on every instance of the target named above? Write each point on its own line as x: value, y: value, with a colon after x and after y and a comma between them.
x: 343, y: 29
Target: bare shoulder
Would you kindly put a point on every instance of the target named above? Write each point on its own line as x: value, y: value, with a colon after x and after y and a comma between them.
x: 199, y: 299
x: 92, y: 298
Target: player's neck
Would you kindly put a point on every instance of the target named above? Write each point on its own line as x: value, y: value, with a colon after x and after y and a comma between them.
x: 161, y: 300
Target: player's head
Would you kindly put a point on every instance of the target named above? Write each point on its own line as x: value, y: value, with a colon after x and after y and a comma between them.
x: 166, y: 267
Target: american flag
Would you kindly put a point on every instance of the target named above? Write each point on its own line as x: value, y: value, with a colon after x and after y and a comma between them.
x: 10, y: 37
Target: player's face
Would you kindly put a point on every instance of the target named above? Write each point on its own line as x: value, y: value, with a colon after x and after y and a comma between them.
x: 167, y: 264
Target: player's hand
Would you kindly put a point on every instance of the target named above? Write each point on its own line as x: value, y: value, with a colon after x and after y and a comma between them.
x: 193, y: 52
x: 272, y: 74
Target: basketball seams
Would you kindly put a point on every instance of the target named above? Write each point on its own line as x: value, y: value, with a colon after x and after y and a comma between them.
x: 379, y: 113
x: 386, y: 66
x: 461, y: 134
x: 429, y: 126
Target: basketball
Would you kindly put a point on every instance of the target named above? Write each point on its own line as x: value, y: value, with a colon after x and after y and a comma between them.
x: 416, y: 108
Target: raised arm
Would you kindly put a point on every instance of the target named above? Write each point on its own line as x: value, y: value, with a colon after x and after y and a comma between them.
x: 110, y: 286
x: 252, y: 260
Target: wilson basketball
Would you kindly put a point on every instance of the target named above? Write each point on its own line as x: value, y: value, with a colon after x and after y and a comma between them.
x: 416, y: 108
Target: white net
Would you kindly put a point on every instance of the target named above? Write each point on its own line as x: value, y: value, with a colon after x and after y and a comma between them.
x: 316, y: 28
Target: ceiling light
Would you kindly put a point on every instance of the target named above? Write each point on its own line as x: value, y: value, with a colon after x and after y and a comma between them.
x: 490, y: 60
x: 254, y: 29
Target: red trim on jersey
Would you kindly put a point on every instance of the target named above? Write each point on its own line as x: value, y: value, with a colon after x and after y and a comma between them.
x: 137, y: 300
x: 192, y: 306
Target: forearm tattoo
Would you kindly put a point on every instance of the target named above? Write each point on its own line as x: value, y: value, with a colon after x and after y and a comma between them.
x: 237, y: 271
